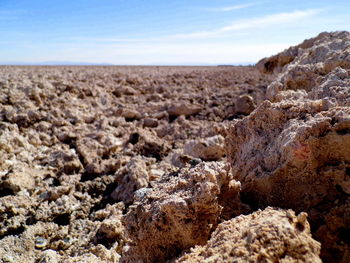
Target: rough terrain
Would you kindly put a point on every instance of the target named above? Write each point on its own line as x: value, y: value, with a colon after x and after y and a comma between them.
x: 179, y: 164
x: 293, y: 151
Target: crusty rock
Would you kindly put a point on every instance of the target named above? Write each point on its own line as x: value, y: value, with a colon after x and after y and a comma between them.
x: 130, y: 114
x: 333, y: 230
x: 65, y: 160
x: 179, y: 212
x: 244, y: 105
x: 272, y: 235
x: 334, y: 85
x: 131, y: 177
x: 150, y: 122
x: 20, y: 180
x: 81, y: 240
x: 208, y: 149
x: 49, y: 256
x: 294, y: 152
x: 328, y: 51
x: 291, y: 145
x: 124, y: 90
x: 52, y: 238
x: 14, y: 211
x: 183, y: 109
x: 147, y: 143
x: 327, y: 48
x: 96, y: 155
x: 78, y: 133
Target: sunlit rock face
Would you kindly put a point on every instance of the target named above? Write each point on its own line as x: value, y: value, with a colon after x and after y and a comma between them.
x: 293, y: 150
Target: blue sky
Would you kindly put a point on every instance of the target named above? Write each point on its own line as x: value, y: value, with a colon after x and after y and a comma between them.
x: 130, y: 32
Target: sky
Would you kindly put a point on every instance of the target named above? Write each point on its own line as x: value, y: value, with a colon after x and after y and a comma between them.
x: 159, y: 32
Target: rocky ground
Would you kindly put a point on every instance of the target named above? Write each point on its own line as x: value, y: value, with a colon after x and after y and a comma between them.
x: 179, y: 164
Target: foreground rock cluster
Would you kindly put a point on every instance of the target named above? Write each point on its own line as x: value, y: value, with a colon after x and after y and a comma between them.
x: 294, y: 150
x: 179, y: 164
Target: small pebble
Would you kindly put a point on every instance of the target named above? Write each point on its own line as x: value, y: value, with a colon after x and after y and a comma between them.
x: 48, y: 256
x: 8, y: 259
x: 142, y: 192
x: 195, y: 161
x: 40, y: 242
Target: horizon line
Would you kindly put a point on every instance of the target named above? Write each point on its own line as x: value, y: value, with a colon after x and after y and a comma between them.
x: 111, y: 64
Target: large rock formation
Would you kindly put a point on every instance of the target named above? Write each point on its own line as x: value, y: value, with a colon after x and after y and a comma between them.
x: 294, y: 150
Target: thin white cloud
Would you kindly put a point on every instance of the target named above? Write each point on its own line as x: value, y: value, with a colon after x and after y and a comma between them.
x: 275, y: 19
x: 259, y: 22
x: 279, y: 19
x: 228, y: 8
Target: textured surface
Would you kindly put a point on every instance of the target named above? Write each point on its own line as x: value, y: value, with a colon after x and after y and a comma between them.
x: 77, y: 142
x: 293, y: 151
x: 180, y: 211
x: 271, y: 235
x: 149, y: 164
x: 314, y: 58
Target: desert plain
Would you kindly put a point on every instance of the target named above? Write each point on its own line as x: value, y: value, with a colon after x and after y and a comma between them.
x: 179, y: 164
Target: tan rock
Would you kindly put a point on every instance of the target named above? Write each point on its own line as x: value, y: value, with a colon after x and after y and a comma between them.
x: 20, y: 180
x: 208, y: 149
x: 326, y: 48
x: 68, y: 123
x: 273, y: 150
x: 294, y: 153
x: 133, y: 176
x: 183, y: 109
x: 131, y: 114
x: 320, y: 56
x: 272, y: 235
x: 179, y: 212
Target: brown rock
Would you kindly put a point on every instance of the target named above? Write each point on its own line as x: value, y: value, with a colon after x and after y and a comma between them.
x: 317, y: 48
x: 183, y: 109
x: 273, y: 150
x: 244, y: 105
x: 150, y: 122
x: 295, y: 154
x: 81, y: 130
x: 131, y: 114
x: 148, y: 144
